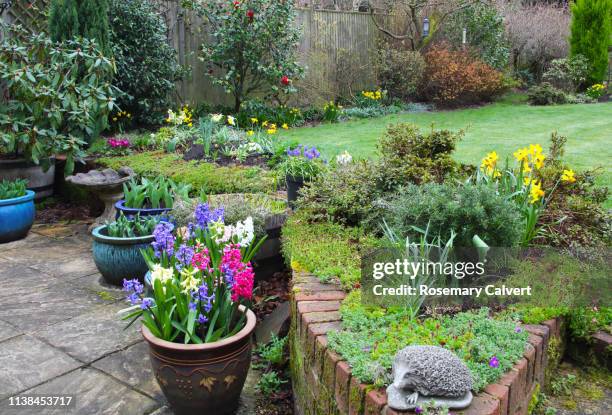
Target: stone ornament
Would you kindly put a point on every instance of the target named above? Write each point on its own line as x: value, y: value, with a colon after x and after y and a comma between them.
x: 425, y: 375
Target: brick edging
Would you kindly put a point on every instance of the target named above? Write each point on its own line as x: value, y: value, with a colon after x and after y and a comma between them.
x: 322, y: 381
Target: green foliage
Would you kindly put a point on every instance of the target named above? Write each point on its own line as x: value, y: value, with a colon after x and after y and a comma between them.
x: 485, y: 33
x: 12, y: 189
x: 563, y: 386
x: 80, y: 18
x: 370, y: 338
x: 331, y: 112
x: 203, y: 177
x: 131, y: 228
x: 343, y: 195
x: 60, y: 96
x: 273, y: 352
x: 567, y: 74
x: 303, y: 162
x: 467, y: 210
x: 270, y: 383
x: 371, y: 112
x: 327, y: 250
x: 253, y: 47
x: 546, y: 94
x: 146, y: 64
x: 399, y: 71
x: 591, y: 29
x: 409, y: 156
x: 155, y: 193
x: 259, y: 110
x: 586, y: 321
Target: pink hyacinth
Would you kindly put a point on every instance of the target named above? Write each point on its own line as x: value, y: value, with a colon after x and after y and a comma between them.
x: 201, y: 260
x: 238, y: 275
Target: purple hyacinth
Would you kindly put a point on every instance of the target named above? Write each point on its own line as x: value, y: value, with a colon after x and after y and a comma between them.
x: 202, y: 319
x: 296, y: 152
x: 193, y: 306
x: 134, y: 289
x: 202, y: 295
x: 228, y: 274
x: 311, y: 153
x: 184, y: 255
x: 518, y: 329
x: 146, y: 303
x: 204, y: 215
x: 164, y: 240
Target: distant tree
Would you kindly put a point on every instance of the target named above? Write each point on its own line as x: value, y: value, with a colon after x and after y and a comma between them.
x: 590, y: 34
x: 86, y: 18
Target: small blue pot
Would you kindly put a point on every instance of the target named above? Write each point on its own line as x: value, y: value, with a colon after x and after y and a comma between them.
x: 16, y: 217
x: 119, y: 258
x: 128, y: 212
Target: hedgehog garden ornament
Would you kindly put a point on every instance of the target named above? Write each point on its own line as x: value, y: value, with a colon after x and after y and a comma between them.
x: 426, y: 374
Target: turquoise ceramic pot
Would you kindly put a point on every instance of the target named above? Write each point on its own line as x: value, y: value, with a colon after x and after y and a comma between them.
x: 16, y: 217
x: 119, y: 258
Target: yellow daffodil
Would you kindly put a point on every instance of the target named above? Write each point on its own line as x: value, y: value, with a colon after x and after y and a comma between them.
x: 568, y: 176
x: 521, y: 154
x: 271, y: 131
x: 497, y: 174
x: 231, y: 120
x: 538, y: 160
x: 250, y: 133
x: 264, y: 123
x: 285, y: 126
x: 526, y: 168
x: 527, y: 181
x: 535, y: 149
x: 254, y: 120
x: 536, y: 192
x: 115, y: 119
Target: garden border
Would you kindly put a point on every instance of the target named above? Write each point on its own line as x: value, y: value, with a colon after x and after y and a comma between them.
x: 322, y: 381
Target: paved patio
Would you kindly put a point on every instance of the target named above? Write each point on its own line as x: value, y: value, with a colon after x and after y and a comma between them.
x: 60, y: 333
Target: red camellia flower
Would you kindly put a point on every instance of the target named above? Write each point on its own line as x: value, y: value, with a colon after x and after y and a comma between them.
x: 236, y: 4
x: 250, y: 14
x: 285, y: 80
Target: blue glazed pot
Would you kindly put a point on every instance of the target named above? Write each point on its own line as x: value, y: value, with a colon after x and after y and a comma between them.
x: 119, y: 258
x: 127, y: 211
x: 16, y: 217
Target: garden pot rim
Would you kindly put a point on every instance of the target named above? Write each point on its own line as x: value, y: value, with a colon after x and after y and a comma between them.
x: 180, y: 347
x: 17, y: 200
x: 120, y: 205
x: 295, y: 179
x: 97, y: 234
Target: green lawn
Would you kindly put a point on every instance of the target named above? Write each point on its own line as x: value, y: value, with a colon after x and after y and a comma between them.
x: 503, y: 126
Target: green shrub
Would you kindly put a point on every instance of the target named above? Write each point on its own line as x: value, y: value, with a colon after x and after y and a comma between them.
x: 546, y: 94
x: 12, y: 189
x: 567, y: 74
x: 203, y: 177
x: 409, y: 156
x: 331, y: 112
x: 80, y: 18
x: 467, y: 209
x: 273, y: 352
x: 591, y: 29
x: 59, y: 96
x: 399, y: 71
x: 270, y: 383
x: 146, y: 64
x: 344, y: 195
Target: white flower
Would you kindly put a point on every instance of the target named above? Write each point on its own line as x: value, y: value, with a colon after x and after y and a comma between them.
x: 252, y: 147
x: 245, y: 232
x: 216, y: 117
x: 161, y: 273
x: 189, y: 282
x: 242, y: 233
x: 344, y: 158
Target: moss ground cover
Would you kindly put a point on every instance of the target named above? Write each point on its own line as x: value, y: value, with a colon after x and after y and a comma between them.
x: 371, y: 337
x: 203, y: 177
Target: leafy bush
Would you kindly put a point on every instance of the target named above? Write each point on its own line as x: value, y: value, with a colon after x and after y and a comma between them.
x: 567, y: 74
x: 131, y: 228
x: 457, y: 78
x: 409, y: 156
x: 590, y: 34
x: 203, y: 177
x: 12, y: 189
x: 273, y: 352
x: 344, y: 195
x: 399, y: 71
x: 467, y: 210
x: 485, y: 33
x: 546, y: 94
x: 331, y: 112
x: 146, y: 64
x: 59, y: 96
x: 155, y: 193
x: 370, y: 338
x: 596, y: 91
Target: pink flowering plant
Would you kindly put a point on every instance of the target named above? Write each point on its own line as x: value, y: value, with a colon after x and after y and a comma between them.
x: 117, y: 146
x: 199, y: 277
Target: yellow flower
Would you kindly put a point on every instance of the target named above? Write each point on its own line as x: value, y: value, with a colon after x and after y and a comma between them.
x: 538, y: 160
x: 254, y: 120
x: 264, y: 123
x: 526, y: 168
x: 115, y: 119
x: 285, y: 126
x: 536, y: 192
x: 189, y: 282
x: 568, y: 176
x: 271, y: 131
x: 521, y: 154
x: 231, y: 120
x: 497, y: 174
x: 527, y: 181
x: 190, y: 124
x: 250, y: 132
x: 535, y: 149
x: 273, y: 126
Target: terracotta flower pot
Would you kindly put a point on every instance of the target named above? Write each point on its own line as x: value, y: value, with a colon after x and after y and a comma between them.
x: 203, y: 378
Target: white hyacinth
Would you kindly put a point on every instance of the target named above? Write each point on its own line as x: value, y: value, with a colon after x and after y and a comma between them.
x: 242, y: 233
x: 216, y: 117
x: 344, y: 158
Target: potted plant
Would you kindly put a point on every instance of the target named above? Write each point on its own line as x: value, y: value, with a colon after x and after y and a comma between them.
x: 16, y: 210
x: 117, y: 245
x: 150, y: 197
x: 59, y: 97
x: 302, y: 164
x: 196, y: 320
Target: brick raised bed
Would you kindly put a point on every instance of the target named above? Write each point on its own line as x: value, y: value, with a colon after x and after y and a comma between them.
x: 322, y: 381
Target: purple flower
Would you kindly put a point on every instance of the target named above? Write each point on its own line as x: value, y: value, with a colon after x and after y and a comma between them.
x: 204, y: 215
x: 202, y: 295
x: 193, y: 306
x: 311, y: 153
x: 184, y: 254
x: 518, y: 329
x: 202, y: 319
x: 164, y: 240
x: 134, y: 289
x: 494, y: 362
x: 418, y: 410
x: 146, y: 303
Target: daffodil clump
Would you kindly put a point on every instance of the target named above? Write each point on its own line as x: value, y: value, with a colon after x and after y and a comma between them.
x: 596, y: 91
x: 121, y: 120
x: 373, y: 95
x: 270, y: 128
x: 183, y: 117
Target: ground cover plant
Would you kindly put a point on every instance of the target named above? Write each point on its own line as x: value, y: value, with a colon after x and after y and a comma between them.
x: 10, y: 189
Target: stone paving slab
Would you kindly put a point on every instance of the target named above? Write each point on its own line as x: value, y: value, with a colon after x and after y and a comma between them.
x: 94, y: 393
x: 91, y: 336
x: 132, y: 366
x: 8, y: 331
x: 95, y: 284
x: 27, y: 362
x: 16, y: 279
